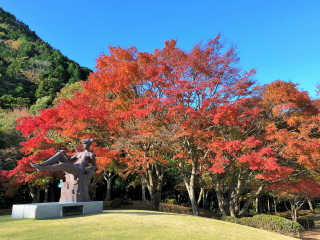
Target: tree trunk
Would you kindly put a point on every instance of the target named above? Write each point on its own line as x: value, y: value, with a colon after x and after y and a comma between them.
x: 200, y: 196
x: 190, y: 188
x: 52, y: 194
x: 293, y: 213
x: 38, y: 194
x: 152, y: 195
x: 232, y: 209
x: 293, y: 210
x: 159, y: 188
x: 268, y: 204
x: 205, y: 197
x: 108, y: 193
x: 296, y: 203
x: 150, y: 192
x: 51, y: 190
x: 234, y: 198
x: 195, y: 207
x: 257, y: 205
x: 275, y: 205
x: 222, y: 202
x: 153, y: 177
x: 33, y: 194
x: 46, y: 192
x: 108, y: 176
x: 310, y: 205
x: 155, y: 200
x: 155, y: 197
x: 92, y: 192
x: 144, y: 193
x: 229, y: 194
x: 249, y: 200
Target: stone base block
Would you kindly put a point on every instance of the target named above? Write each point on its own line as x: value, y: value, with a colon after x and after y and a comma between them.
x: 55, y: 209
x: 75, y: 188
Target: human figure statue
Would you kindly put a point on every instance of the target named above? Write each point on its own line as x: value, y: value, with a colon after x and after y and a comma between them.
x: 82, y: 160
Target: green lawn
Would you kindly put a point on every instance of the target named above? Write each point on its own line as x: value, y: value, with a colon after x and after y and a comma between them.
x: 129, y: 224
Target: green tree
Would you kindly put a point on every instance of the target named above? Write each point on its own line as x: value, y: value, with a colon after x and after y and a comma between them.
x: 7, y: 101
x: 67, y: 92
x: 48, y: 87
x: 43, y: 102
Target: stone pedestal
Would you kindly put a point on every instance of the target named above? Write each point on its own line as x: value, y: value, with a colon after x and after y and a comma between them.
x: 55, y: 209
x: 75, y: 188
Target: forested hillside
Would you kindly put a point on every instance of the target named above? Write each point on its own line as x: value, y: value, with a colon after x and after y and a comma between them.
x: 30, y: 68
x: 32, y: 73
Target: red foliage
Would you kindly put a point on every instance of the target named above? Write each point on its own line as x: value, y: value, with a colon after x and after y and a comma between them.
x: 303, y: 187
x: 196, y: 107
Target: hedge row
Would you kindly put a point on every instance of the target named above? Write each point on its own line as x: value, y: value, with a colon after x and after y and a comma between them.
x: 306, y: 223
x: 269, y: 222
x: 117, y: 202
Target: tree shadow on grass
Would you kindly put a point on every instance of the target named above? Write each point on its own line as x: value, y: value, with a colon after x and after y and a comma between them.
x: 141, y: 212
x: 8, y: 218
x: 5, y: 218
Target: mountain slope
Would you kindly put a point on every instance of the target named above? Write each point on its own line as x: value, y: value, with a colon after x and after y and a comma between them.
x: 29, y: 67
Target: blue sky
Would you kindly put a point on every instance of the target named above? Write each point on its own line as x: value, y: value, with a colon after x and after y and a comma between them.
x: 279, y: 38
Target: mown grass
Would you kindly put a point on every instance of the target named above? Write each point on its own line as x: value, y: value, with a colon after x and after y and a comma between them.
x: 129, y: 224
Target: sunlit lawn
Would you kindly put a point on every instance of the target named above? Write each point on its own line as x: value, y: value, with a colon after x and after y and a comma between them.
x: 129, y: 224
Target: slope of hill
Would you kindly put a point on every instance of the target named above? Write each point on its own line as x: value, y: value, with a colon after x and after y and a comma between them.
x: 130, y: 224
x: 29, y: 67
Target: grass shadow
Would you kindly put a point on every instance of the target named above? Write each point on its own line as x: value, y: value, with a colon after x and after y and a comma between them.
x: 140, y: 212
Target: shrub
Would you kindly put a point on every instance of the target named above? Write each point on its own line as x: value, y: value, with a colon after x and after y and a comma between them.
x: 252, y: 211
x: 127, y: 203
x: 278, y: 224
x: 116, y: 202
x: 269, y: 222
x: 306, y: 223
x: 165, y: 207
x: 172, y: 201
x: 230, y: 219
x: 247, y: 221
x: 185, y: 204
x: 106, y: 204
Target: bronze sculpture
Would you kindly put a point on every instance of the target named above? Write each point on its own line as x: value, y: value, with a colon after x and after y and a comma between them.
x: 75, y: 189
x: 82, y: 161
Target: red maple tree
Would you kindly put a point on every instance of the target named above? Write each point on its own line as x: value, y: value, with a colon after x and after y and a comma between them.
x: 196, y: 111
